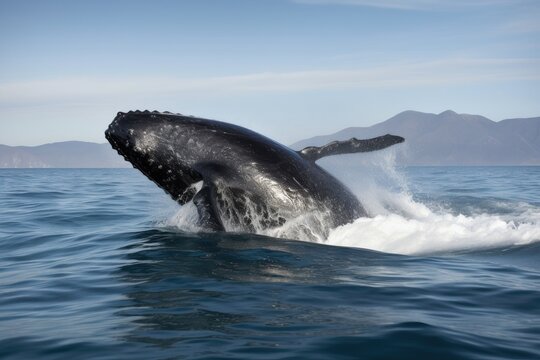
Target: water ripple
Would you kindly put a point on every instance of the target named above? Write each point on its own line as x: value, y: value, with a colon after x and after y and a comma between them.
x: 86, y: 272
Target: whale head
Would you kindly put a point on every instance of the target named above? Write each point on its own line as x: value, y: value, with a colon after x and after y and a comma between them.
x: 161, y: 146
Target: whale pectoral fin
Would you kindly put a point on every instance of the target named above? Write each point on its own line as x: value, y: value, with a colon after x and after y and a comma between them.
x: 350, y: 146
x: 204, y: 200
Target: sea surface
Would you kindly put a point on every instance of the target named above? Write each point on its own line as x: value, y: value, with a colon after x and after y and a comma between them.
x: 99, y: 263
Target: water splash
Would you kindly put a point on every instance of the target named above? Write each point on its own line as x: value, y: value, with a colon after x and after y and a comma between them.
x: 429, y: 231
x: 310, y: 226
x: 400, y: 224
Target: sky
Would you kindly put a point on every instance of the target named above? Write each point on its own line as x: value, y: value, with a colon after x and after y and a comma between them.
x: 290, y: 69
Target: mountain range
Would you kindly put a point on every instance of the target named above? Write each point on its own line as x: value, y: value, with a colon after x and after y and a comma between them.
x: 447, y: 138
x: 67, y: 154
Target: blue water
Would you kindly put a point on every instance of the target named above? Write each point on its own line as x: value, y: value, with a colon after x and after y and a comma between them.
x: 89, y: 270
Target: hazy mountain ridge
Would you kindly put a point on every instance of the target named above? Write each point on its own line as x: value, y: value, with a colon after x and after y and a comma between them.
x: 449, y: 138
x: 68, y: 154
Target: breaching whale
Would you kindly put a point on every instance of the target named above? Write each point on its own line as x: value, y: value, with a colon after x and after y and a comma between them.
x: 239, y: 180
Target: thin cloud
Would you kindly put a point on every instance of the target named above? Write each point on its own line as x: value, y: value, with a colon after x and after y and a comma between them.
x: 434, y: 73
x: 414, y: 4
x: 524, y: 24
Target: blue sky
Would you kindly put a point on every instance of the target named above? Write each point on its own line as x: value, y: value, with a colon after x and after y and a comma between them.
x: 290, y: 69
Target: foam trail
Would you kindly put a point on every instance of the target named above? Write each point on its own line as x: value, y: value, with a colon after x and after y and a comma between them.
x: 431, y: 232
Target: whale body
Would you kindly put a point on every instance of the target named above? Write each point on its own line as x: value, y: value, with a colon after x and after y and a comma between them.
x: 239, y: 180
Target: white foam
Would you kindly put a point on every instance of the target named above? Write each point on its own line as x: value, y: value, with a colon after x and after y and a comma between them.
x: 427, y: 231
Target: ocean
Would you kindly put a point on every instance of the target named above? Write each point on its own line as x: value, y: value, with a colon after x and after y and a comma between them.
x: 100, y: 263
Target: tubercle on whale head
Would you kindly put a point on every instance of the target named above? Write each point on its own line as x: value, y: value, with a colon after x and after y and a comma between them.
x: 146, y: 112
x: 126, y: 121
x: 142, y: 115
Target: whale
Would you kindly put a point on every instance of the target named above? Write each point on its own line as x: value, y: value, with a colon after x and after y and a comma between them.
x: 237, y: 179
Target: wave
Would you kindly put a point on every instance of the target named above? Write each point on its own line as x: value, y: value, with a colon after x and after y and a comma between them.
x: 399, y: 223
x: 428, y: 231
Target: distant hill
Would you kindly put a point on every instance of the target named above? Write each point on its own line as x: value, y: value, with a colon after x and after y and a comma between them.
x: 68, y: 154
x: 452, y: 139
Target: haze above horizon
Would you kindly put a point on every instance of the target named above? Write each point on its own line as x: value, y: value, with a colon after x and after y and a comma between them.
x: 288, y: 69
